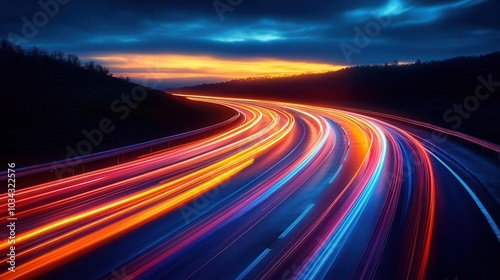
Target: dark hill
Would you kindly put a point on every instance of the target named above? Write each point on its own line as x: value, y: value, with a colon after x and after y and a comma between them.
x: 423, y: 91
x: 50, y: 98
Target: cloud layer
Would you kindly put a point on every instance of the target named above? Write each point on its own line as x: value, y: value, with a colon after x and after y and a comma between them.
x: 291, y: 30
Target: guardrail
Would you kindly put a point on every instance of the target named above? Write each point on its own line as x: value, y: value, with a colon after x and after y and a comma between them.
x: 459, y: 135
x: 118, y: 152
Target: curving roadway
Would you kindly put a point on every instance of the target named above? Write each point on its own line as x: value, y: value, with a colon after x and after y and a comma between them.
x: 293, y: 192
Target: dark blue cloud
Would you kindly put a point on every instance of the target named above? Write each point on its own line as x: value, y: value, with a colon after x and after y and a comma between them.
x: 289, y: 29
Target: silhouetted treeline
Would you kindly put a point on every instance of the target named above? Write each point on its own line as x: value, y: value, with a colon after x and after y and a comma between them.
x: 421, y: 90
x: 12, y: 53
x: 51, y: 98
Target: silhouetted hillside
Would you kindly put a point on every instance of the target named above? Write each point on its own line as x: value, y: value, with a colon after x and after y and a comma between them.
x: 425, y: 91
x: 51, y: 98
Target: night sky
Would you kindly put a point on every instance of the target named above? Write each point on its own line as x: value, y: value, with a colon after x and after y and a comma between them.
x: 189, y: 42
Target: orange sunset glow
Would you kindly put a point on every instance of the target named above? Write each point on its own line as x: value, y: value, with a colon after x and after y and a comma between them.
x: 174, y: 66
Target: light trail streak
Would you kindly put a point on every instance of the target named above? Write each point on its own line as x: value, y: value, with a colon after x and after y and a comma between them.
x: 281, y: 157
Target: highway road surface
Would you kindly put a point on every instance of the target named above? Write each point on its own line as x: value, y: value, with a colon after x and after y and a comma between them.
x: 292, y: 192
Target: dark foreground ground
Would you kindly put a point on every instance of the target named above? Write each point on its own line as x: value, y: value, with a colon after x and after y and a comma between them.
x: 460, y: 93
x: 48, y: 105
